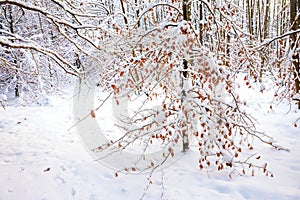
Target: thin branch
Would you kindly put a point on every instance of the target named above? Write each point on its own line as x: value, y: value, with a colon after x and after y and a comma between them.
x: 268, y: 42
x: 86, y: 116
x: 28, y: 44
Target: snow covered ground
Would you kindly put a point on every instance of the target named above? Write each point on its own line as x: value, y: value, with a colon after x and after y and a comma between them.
x: 41, y: 159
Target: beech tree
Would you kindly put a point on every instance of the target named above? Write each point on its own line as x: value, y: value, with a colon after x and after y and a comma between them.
x: 162, y: 53
x: 178, y: 61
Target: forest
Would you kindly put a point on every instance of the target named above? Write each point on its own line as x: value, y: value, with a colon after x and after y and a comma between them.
x: 173, y: 71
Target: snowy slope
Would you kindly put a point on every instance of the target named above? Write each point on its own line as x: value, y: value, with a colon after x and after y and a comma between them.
x: 41, y: 159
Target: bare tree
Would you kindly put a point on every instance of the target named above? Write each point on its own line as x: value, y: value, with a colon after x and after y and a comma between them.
x: 40, y: 42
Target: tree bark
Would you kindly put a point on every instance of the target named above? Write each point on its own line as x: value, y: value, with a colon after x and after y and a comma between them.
x: 293, y: 40
x: 9, y: 15
x: 124, y: 12
x: 185, y: 139
x: 250, y: 16
x: 201, y: 22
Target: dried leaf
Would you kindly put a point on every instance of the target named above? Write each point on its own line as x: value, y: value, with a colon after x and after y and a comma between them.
x: 93, y: 114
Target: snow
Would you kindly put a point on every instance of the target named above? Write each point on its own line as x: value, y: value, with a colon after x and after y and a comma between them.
x: 3, y: 97
x: 297, y: 97
x: 40, y: 158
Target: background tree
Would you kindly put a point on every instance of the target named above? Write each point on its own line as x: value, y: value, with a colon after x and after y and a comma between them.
x: 295, y: 40
x: 39, y: 43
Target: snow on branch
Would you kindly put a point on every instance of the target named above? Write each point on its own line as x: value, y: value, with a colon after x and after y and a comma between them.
x: 269, y: 41
x: 27, y: 44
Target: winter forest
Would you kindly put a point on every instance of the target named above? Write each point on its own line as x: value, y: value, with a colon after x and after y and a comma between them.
x: 142, y: 99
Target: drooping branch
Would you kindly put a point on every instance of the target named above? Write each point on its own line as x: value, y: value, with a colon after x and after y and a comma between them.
x: 27, y: 44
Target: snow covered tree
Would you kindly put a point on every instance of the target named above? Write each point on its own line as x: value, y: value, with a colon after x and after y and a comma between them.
x: 177, y: 61
x: 180, y: 75
x: 295, y: 47
x: 41, y: 43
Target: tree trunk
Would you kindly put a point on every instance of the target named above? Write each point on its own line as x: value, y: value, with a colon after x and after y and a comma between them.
x: 185, y: 138
x: 201, y: 22
x: 9, y: 15
x: 124, y: 12
x: 293, y: 40
x: 250, y: 16
x: 263, y: 30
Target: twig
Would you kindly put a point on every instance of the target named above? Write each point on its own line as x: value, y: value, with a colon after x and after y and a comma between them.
x: 91, y: 110
x: 3, y: 106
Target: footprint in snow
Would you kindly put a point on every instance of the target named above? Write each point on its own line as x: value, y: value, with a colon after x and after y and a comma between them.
x: 60, y: 179
x: 73, y: 192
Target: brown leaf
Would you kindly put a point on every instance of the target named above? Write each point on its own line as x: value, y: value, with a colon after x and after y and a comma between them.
x: 152, y: 164
x: 93, y: 114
